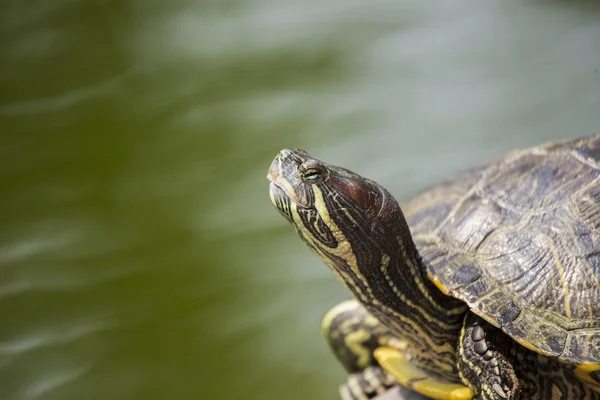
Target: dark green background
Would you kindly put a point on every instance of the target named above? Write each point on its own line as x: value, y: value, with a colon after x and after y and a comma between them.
x: 140, y: 257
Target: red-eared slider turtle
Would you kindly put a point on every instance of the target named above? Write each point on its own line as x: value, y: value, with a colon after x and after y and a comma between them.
x: 485, y: 286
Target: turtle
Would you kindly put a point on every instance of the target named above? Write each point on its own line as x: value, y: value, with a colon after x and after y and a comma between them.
x: 485, y: 286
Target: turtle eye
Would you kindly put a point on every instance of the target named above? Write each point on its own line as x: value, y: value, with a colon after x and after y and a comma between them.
x: 312, y: 174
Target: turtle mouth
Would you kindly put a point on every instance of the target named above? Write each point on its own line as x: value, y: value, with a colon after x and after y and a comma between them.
x: 283, y: 193
x: 281, y: 202
x: 276, y: 192
x: 280, y: 186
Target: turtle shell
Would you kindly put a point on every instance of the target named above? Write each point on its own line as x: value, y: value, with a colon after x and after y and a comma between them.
x: 519, y: 242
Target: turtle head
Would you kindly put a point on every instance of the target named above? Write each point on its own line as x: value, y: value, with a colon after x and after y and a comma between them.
x: 357, y: 228
x: 340, y: 215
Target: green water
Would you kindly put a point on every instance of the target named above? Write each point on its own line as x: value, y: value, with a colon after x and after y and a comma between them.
x: 140, y: 257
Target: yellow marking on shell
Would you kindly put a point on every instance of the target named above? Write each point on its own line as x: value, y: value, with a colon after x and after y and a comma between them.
x: 561, y: 276
x: 583, y: 373
x: 526, y: 344
x: 399, y: 366
x: 436, y: 281
x: 487, y: 296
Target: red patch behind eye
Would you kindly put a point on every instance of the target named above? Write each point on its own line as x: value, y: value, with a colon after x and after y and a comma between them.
x: 353, y: 189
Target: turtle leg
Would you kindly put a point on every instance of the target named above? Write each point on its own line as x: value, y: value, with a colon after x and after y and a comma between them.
x: 481, y: 365
x: 353, y: 334
x: 375, y: 360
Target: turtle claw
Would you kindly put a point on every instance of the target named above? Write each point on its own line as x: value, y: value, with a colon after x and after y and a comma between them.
x: 367, y: 384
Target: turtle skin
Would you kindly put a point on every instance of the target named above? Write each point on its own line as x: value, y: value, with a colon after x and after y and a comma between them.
x: 518, y: 241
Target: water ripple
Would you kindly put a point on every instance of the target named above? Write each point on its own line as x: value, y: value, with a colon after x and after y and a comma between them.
x: 32, y: 247
x: 37, y: 340
x: 53, y: 381
x: 64, y: 100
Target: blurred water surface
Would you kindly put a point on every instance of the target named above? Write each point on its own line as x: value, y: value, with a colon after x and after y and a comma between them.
x: 140, y: 257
